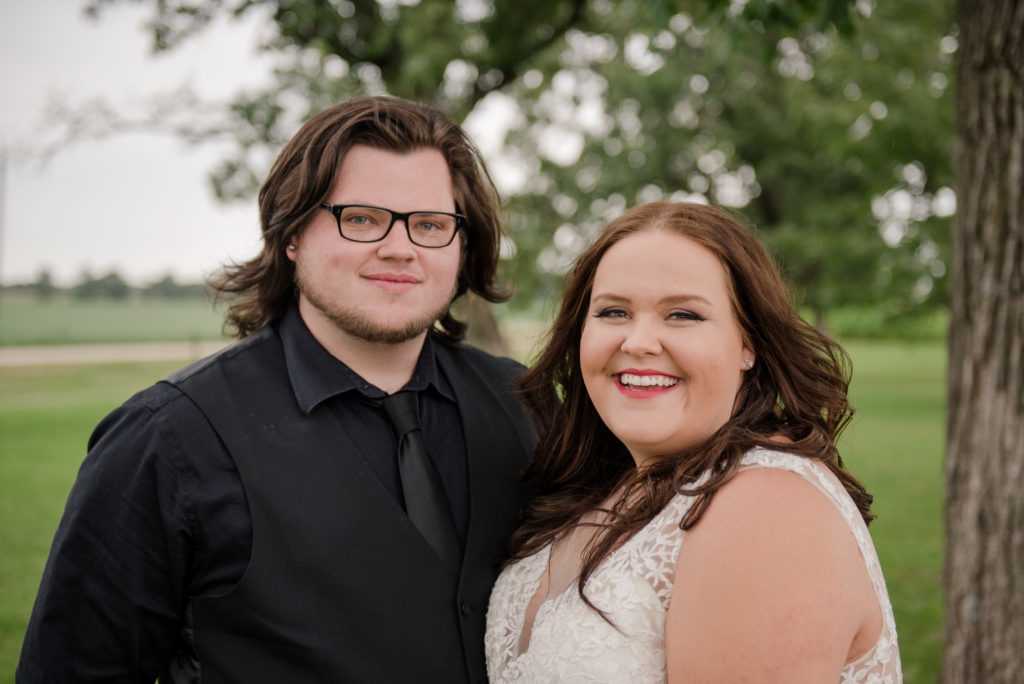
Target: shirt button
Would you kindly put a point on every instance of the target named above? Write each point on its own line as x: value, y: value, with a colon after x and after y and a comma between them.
x: 464, y: 608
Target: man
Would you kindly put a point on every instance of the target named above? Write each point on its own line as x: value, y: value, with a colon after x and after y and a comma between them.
x: 250, y: 519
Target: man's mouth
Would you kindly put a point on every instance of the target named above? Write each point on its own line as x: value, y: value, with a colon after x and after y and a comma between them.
x: 393, y: 277
x: 393, y: 283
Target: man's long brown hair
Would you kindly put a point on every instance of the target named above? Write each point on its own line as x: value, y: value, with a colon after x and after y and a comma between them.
x: 794, y: 398
x: 259, y: 290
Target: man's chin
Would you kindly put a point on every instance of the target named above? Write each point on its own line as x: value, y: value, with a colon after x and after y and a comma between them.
x: 382, y: 335
x: 383, y: 332
x: 364, y: 325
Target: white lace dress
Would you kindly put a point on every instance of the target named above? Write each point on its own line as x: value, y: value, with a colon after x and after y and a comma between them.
x: 570, y: 642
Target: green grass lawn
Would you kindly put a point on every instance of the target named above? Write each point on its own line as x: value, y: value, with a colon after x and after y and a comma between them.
x: 46, y: 415
x: 895, y: 447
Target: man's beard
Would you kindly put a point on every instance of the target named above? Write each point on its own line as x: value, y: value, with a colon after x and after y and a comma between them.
x: 364, y: 327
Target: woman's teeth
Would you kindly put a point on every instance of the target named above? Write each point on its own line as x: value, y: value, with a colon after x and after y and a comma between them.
x: 658, y: 381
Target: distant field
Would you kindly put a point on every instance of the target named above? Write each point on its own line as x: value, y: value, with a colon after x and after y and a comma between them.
x: 26, y: 320
x: 894, y: 447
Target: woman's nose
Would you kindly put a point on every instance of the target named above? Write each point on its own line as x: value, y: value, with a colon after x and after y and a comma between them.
x: 642, y: 339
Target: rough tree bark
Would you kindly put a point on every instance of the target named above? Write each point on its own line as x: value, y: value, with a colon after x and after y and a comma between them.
x: 984, y: 570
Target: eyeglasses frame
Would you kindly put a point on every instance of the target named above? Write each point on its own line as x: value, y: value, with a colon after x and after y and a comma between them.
x: 336, y: 209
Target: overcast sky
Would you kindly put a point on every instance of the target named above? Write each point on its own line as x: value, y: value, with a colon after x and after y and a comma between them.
x: 137, y: 203
x: 140, y: 204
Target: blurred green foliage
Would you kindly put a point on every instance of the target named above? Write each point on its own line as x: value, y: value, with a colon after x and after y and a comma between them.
x: 827, y: 124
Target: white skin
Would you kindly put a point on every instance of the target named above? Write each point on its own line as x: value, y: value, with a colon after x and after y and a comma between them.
x: 783, y: 592
x: 372, y: 304
x: 661, y: 354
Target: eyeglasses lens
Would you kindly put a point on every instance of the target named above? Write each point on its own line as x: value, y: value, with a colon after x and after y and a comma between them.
x: 367, y: 224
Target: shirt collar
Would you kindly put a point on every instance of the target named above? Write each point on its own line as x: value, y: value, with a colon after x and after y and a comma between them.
x: 316, y: 375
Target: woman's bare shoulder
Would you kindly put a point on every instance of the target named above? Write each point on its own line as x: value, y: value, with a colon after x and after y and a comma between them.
x: 762, y: 580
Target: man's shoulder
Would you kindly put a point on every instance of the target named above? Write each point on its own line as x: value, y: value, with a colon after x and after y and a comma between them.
x: 236, y: 352
x: 169, y: 406
x: 157, y: 398
x: 159, y: 409
x: 165, y: 400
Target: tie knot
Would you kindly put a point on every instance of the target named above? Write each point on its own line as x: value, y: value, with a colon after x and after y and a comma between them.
x: 403, y: 410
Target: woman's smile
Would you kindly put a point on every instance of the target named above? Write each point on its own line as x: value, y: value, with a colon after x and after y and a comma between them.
x: 644, y: 383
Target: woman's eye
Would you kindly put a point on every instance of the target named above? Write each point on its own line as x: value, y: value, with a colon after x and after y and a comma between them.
x: 685, y: 316
x: 611, y: 313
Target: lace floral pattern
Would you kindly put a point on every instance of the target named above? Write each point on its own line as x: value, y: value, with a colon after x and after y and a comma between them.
x: 571, y: 643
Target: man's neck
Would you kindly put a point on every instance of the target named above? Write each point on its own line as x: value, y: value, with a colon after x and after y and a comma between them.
x: 387, y: 366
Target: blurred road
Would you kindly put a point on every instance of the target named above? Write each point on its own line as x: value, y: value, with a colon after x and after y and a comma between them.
x: 107, y: 353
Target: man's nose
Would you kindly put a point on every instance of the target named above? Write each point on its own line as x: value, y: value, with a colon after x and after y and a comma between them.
x: 397, y: 239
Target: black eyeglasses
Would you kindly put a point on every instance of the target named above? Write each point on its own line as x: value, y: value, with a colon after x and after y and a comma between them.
x: 361, y: 223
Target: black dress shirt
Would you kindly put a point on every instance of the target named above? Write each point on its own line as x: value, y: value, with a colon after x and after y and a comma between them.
x: 158, y: 514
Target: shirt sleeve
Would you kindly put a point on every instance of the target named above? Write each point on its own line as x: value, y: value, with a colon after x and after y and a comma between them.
x: 130, y: 547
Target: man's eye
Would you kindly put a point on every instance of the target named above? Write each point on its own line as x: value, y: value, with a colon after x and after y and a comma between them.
x: 364, y: 216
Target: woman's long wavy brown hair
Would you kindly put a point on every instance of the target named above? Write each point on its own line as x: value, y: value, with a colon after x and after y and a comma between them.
x: 797, y: 391
x: 259, y: 290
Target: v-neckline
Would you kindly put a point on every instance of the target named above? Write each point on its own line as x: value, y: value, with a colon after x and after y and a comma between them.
x: 538, y: 580
x: 543, y: 560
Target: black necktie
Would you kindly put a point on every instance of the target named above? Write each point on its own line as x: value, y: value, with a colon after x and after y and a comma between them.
x: 425, y: 500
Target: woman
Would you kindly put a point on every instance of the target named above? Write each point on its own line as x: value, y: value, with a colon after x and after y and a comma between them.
x: 689, y: 518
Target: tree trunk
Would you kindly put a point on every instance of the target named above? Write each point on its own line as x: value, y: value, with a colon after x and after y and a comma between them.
x: 984, y: 570
x: 483, y: 329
